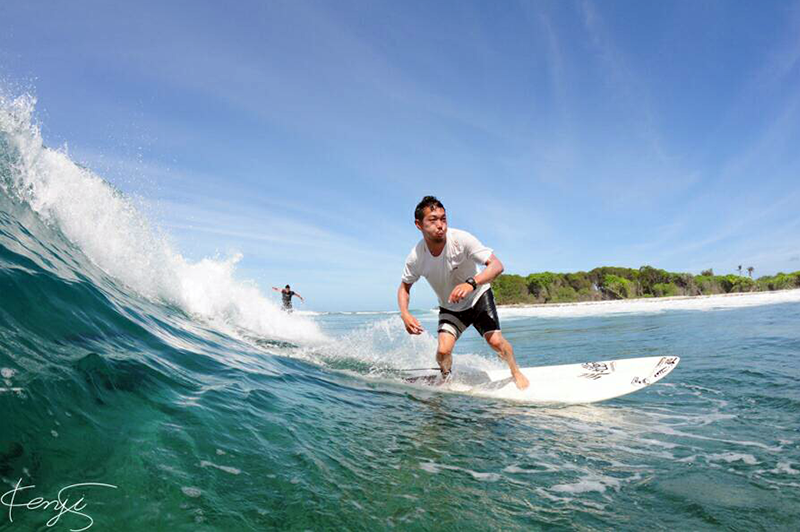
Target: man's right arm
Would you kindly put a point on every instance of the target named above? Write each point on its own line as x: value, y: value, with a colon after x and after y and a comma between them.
x: 403, y: 297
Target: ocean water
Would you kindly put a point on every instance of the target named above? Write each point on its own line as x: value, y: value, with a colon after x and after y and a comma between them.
x: 199, y: 405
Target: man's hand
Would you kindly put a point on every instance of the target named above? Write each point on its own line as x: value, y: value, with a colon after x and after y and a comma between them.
x: 460, y: 292
x: 412, y: 324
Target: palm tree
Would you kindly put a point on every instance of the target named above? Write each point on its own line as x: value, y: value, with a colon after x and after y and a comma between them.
x: 740, y: 269
x: 750, y: 271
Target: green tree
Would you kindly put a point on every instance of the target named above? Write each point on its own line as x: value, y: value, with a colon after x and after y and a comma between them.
x: 510, y: 289
x: 649, y: 277
x: 539, y: 283
x: 665, y: 290
x: 612, y: 282
x: 618, y: 286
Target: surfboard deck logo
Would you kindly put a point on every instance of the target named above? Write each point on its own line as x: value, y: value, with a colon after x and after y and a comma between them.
x: 596, y: 370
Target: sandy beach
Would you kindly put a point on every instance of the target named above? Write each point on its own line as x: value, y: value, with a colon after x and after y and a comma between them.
x: 652, y: 304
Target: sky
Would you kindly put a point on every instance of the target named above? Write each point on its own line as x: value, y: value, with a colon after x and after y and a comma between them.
x: 565, y: 135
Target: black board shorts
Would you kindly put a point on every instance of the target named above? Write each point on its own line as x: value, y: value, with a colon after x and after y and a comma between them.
x: 482, y: 316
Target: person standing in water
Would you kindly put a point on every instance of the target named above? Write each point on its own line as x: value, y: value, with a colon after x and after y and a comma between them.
x: 286, y: 296
x: 449, y: 259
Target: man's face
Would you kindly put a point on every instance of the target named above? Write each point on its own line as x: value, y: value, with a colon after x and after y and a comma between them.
x: 433, y: 224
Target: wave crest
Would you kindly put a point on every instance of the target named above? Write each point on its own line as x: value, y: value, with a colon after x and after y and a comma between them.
x: 107, y: 228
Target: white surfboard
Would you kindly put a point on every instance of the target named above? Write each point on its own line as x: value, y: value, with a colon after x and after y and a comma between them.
x: 589, y: 382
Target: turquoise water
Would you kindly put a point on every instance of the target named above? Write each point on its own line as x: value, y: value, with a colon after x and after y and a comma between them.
x: 215, y: 411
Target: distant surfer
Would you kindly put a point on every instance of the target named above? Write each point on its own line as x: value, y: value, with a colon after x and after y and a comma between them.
x: 286, y: 296
x: 449, y: 260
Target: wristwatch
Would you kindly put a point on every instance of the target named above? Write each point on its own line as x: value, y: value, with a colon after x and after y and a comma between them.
x: 471, y: 281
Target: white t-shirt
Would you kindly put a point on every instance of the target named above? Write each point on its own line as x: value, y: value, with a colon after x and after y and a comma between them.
x: 459, y: 260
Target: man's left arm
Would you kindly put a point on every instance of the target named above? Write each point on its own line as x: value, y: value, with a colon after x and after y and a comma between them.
x: 493, y: 268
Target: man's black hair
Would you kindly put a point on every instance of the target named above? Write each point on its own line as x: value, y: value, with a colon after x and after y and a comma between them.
x: 427, y: 202
x: 287, y: 286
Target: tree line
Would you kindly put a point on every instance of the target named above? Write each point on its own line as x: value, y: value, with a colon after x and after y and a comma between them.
x: 610, y: 282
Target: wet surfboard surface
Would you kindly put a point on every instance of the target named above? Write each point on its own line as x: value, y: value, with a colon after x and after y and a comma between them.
x: 587, y: 382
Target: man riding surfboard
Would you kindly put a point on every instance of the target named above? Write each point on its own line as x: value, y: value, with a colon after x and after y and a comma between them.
x: 286, y: 296
x: 449, y: 260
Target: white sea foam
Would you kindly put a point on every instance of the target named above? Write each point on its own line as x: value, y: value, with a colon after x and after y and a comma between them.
x: 385, y: 344
x: 652, y: 305
x: 191, y: 492
x: 516, y: 469
x: 484, y: 477
x: 581, y: 486
x: 429, y: 467
x: 748, y: 459
x: 347, y: 313
x: 589, y: 483
x: 308, y: 313
x: 115, y: 235
x: 227, y: 469
x: 434, y: 468
x: 785, y: 467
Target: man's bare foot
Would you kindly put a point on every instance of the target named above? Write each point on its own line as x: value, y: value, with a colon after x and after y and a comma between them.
x: 445, y: 377
x: 521, y: 381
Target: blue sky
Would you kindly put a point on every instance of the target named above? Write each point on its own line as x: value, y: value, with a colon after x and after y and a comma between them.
x: 565, y: 135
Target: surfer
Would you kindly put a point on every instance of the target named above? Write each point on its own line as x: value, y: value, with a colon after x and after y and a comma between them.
x: 449, y: 259
x: 286, y: 296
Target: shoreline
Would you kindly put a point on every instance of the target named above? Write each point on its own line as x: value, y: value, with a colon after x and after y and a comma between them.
x: 612, y: 302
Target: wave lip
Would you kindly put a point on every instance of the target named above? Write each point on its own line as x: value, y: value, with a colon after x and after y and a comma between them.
x: 106, y: 227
